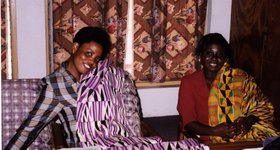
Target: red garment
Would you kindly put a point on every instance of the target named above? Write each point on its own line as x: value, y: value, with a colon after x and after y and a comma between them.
x: 193, y: 99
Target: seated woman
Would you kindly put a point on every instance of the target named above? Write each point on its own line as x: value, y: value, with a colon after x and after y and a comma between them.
x: 220, y: 103
x: 108, y: 114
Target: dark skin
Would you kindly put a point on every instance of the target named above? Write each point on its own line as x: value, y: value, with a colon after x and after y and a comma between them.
x: 212, y: 60
x: 84, y: 59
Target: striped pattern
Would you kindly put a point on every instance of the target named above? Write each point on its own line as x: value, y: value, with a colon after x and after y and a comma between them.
x: 103, y: 113
x: 57, y: 99
x: 235, y: 94
x: 188, y: 144
x: 101, y: 109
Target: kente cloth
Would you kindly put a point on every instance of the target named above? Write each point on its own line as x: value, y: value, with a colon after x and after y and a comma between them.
x: 102, y: 117
x: 235, y: 94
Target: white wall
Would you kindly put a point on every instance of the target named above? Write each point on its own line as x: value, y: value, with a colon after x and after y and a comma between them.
x: 159, y: 101
x: 219, y: 16
x: 32, y: 52
x: 31, y: 41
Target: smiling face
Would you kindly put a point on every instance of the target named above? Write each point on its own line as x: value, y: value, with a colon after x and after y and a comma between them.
x: 85, y: 59
x: 213, y: 58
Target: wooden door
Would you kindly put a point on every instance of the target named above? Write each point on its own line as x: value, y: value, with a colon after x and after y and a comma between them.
x: 255, y: 30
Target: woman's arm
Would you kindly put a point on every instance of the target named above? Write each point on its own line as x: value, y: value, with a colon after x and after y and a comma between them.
x: 254, y: 102
x: 42, y: 113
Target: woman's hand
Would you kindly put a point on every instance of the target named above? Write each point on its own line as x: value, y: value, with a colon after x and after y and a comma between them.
x: 223, y: 130
x: 243, y: 124
x: 240, y: 126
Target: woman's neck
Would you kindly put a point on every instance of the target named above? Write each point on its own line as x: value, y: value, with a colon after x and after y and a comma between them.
x: 72, y: 69
x: 210, y: 77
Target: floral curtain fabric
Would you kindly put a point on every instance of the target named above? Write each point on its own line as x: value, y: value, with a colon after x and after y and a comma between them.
x: 165, y: 33
x: 71, y: 15
x: 165, y: 37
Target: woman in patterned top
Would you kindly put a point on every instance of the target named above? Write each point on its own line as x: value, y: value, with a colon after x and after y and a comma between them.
x: 108, y: 113
x: 57, y: 99
x: 220, y: 103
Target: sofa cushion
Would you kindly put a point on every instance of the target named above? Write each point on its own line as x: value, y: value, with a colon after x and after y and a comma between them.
x: 18, y: 98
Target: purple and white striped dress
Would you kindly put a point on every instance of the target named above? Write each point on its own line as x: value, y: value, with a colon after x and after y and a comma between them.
x: 104, y: 114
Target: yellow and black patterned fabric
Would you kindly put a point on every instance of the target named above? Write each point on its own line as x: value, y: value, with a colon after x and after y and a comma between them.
x: 235, y: 94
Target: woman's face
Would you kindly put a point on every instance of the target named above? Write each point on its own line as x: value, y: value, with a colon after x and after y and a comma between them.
x: 213, y: 58
x: 86, y: 57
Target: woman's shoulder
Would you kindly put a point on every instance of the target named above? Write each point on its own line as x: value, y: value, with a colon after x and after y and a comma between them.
x: 117, y: 71
x: 238, y: 72
x: 197, y: 75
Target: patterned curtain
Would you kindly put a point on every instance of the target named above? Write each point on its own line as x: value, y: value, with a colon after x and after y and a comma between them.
x: 165, y: 33
x: 165, y: 36
x: 3, y: 40
x: 71, y: 15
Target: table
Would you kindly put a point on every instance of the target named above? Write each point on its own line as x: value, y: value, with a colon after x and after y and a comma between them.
x: 235, y: 145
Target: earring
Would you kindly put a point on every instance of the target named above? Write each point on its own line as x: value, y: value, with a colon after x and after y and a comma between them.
x: 226, y: 62
x: 198, y: 65
x: 201, y: 66
x: 75, y: 47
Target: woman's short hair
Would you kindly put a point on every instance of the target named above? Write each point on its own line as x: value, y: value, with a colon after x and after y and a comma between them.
x: 214, y: 38
x: 94, y: 34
